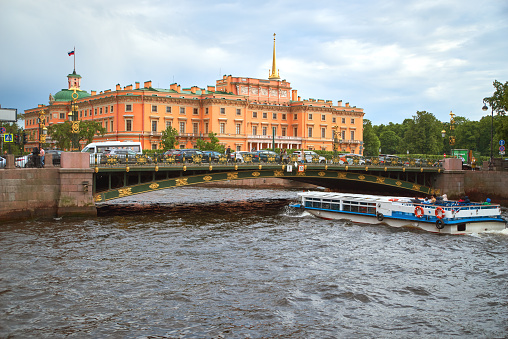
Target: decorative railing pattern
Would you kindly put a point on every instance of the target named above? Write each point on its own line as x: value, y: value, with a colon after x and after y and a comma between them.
x: 144, y: 160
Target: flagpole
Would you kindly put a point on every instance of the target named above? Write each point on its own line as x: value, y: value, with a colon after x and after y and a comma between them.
x: 74, y: 59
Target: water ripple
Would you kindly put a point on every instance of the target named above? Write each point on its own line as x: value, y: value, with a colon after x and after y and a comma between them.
x: 262, y: 274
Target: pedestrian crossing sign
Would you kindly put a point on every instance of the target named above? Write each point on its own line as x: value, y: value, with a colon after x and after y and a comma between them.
x: 8, y: 137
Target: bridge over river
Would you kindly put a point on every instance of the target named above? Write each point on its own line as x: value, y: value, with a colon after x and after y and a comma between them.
x: 119, y: 177
x: 74, y: 188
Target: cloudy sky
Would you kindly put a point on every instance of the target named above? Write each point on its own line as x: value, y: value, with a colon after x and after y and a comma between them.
x: 390, y: 57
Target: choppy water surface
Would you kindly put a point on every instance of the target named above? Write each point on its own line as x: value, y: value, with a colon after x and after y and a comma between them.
x: 263, y: 274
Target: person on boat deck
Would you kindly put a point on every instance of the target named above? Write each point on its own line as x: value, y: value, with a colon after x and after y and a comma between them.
x: 464, y: 201
x: 439, y: 200
x: 433, y: 199
x: 487, y: 202
x: 445, y: 197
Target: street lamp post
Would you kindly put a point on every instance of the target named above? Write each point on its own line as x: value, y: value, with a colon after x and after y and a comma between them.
x: 42, y: 128
x: 484, y: 108
x: 452, y: 128
x: 273, y: 137
x: 74, y: 120
x: 42, y: 134
x: 335, y: 140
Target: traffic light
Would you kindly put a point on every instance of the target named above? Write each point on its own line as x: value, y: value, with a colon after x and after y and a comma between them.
x: 16, y: 139
x: 24, y: 138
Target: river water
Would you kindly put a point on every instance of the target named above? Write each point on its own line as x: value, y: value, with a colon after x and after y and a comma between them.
x: 214, y: 272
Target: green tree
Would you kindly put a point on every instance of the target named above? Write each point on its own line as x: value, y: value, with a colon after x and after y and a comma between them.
x: 168, y: 138
x: 212, y: 145
x: 62, y: 133
x: 11, y: 128
x: 370, y: 139
x: 390, y: 141
x: 88, y: 129
x: 423, y: 135
x: 499, y: 100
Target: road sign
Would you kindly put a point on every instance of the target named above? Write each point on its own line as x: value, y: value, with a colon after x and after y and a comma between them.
x: 501, y: 142
x: 3, y: 130
x: 8, y: 137
x: 501, y: 153
x: 501, y: 148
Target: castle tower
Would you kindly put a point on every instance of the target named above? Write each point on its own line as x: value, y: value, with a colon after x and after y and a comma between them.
x: 74, y: 80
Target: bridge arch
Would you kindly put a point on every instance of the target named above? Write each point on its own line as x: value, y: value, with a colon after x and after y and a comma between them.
x: 314, y: 175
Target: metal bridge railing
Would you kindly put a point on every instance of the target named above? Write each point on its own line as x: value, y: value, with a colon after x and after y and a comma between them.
x: 98, y: 160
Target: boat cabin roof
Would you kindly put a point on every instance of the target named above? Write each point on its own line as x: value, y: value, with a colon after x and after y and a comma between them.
x: 353, y: 197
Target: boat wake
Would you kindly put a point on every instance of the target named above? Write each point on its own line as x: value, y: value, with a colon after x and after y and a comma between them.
x: 289, y: 211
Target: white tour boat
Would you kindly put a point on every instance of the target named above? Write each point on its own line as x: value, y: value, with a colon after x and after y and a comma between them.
x: 451, y: 217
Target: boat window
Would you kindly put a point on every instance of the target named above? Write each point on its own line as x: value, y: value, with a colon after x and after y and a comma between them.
x: 461, y: 227
x: 335, y: 206
x: 316, y: 204
x: 326, y: 205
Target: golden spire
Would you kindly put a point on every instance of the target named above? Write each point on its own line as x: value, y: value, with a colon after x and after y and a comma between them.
x: 274, y: 74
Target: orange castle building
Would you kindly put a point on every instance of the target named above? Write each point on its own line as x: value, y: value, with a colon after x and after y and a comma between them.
x: 245, y: 113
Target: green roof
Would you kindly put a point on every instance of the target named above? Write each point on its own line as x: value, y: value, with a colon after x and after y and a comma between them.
x: 66, y: 95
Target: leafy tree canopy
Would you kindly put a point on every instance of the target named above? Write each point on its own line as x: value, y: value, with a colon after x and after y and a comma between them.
x: 168, y: 138
x: 212, y: 145
x: 62, y: 133
x: 370, y: 139
x: 499, y: 100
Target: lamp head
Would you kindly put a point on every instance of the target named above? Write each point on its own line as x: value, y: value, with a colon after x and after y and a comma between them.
x: 484, y: 108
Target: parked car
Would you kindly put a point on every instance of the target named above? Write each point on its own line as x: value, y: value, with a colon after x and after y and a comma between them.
x: 244, y: 156
x: 212, y: 155
x: 265, y: 154
x: 3, y: 162
x: 22, y: 161
x: 309, y: 155
x: 352, y: 159
x: 390, y: 160
x: 187, y: 154
x: 122, y: 156
x: 57, y: 155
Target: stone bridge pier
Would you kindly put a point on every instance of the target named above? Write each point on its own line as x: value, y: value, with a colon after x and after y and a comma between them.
x: 47, y: 192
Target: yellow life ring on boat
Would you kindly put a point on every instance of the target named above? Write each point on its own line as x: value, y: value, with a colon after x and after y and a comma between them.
x: 440, y: 213
x: 418, y: 211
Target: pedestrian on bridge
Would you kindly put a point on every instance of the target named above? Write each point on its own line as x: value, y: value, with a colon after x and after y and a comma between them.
x: 228, y: 153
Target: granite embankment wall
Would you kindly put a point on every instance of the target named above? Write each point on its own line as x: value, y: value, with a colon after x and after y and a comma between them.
x: 487, y: 184
x: 47, y: 192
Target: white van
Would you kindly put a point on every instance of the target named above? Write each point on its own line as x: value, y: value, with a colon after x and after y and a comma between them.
x: 96, y: 149
x: 100, y: 147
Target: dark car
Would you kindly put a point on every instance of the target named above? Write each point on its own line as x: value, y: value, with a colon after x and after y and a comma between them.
x: 57, y: 155
x: 213, y: 155
x: 266, y: 155
x: 189, y: 155
x: 121, y: 156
